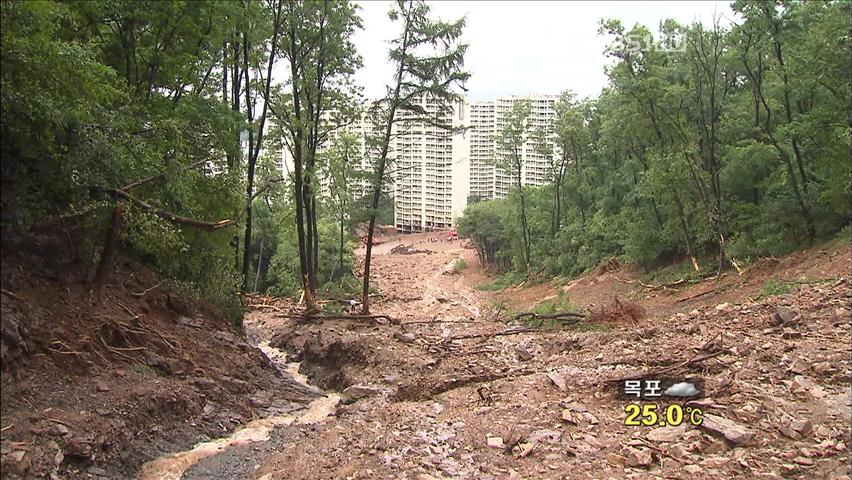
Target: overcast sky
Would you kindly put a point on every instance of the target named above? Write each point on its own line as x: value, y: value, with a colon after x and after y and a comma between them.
x: 526, y: 47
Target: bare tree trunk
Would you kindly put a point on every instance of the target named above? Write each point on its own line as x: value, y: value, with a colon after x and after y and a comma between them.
x: 110, y: 252
x: 259, y: 262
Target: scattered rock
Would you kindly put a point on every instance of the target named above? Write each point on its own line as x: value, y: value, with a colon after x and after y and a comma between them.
x: 404, y: 337
x: 523, y: 353
x: 667, y: 434
x: 801, y: 385
x: 97, y: 471
x: 841, y: 316
x: 551, y: 437
x: 782, y: 316
x: 557, y: 380
x: 354, y: 393
x: 494, y: 442
x: 729, y: 429
x: 638, y: 457
x: 796, y: 429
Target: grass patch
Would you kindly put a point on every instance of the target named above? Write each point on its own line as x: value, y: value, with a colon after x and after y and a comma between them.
x: 502, y: 282
x: 775, y: 286
x: 560, y: 303
x: 144, y: 370
x: 459, y: 265
x: 680, y: 270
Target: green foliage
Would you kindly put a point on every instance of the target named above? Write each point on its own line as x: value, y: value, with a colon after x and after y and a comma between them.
x: 502, y: 282
x: 732, y: 147
x: 777, y: 287
x: 459, y: 265
x: 98, y: 95
x: 559, y: 304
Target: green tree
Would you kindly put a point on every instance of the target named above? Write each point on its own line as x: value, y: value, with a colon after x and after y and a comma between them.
x: 428, y: 62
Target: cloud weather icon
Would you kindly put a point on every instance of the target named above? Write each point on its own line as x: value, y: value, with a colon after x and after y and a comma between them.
x: 682, y: 389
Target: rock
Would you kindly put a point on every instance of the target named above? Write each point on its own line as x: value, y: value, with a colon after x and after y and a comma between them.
x: 102, y: 386
x: 723, y: 306
x: 638, y: 457
x: 356, y: 392
x: 804, y: 461
x: 523, y: 353
x: 557, y: 380
x: 789, y: 334
x: 796, y: 429
x: 474, y: 311
x: 693, y: 469
x: 172, y: 366
x: 551, y: 437
x: 97, y: 471
x: 576, y: 407
x: 190, y: 322
x: 801, y: 385
x: 667, y: 434
x: 841, y: 316
x: 404, y: 337
x: 782, y: 316
x: 729, y: 429
x: 60, y: 430
x: 798, y: 366
x: 494, y: 442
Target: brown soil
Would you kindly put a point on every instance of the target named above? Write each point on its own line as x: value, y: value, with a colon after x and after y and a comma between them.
x: 443, y: 383
x: 425, y: 394
x: 94, y: 391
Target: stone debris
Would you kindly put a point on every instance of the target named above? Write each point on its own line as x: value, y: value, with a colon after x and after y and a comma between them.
x: 729, y: 429
x: 494, y: 442
x: 796, y: 429
x: 354, y: 393
x: 667, y: 434
x: 557, y: 380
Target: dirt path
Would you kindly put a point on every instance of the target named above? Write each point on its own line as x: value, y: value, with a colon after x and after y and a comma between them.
x: 436, y: 395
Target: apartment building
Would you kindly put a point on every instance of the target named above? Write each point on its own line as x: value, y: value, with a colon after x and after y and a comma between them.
x: 435, y: 171
x: 482, y: 130
x: 431, y: 169
x: 535, y: 166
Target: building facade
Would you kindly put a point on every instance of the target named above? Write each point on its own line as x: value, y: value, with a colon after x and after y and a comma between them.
x: 435, y: 172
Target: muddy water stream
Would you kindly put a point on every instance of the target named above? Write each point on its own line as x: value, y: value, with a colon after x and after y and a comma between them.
x: 173, y: 466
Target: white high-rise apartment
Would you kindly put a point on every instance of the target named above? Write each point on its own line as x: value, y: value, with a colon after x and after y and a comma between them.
x: 431, y: 170
x: 535, y: 165
x: 436, y: 171
x: 483, y: 128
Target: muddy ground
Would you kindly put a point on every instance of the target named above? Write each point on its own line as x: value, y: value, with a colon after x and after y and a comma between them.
x: 453, y: 392
x: 451, y: 387
x: 95, y: 390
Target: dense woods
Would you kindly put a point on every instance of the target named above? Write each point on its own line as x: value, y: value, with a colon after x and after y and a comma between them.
x: 715, y: 144
x: 157, y: 129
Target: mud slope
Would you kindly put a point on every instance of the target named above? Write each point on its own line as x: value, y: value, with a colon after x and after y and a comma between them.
x: 454, y: 389
x: 93, y: 391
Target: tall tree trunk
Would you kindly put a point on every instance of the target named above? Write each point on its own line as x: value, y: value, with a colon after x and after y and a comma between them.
x: 687, y: 235
x: 251, y: 167
x: 109, y: 253
x: 259, y: 263
x: 380, y: 172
